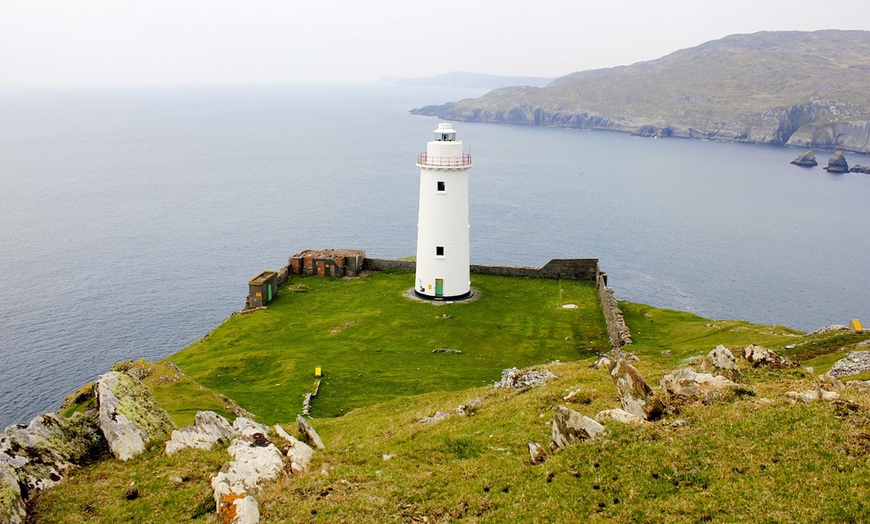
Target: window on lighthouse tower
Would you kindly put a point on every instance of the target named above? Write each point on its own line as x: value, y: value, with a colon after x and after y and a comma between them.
x: 439, y: 251
x: 441, y: 185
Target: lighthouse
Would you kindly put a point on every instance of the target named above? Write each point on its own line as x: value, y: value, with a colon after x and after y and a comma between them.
x: 442, y: 224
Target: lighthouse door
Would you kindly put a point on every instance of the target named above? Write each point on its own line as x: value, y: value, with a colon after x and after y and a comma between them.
x: 439, y: 287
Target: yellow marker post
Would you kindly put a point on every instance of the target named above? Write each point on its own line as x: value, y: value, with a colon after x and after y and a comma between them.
x: 856, y: 326
x: 318, y: 372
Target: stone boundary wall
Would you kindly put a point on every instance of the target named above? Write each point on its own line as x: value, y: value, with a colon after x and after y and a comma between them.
x: 616, y: 327
x: 571, y: 268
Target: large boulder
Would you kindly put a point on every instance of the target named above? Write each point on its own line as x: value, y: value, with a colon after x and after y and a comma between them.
x: 39, y: 455
x: 807, y: 159
x: 208, y: 429
x: 837, y: 164
x: 686, y: 385
x: 570, y: 426
x: 634, y: 393
x: 760, y: 356
x: 129, y: 415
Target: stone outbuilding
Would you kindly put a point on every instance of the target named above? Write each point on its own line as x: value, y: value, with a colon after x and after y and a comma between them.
x: 328, y: 262
x: 262, y: 288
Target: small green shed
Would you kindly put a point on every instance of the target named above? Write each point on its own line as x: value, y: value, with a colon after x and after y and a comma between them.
x: 262, y: 288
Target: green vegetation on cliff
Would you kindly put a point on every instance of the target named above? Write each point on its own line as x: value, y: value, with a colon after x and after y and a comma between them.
x: 799, y: 88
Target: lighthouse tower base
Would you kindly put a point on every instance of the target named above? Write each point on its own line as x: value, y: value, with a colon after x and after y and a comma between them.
x: 413, y: 294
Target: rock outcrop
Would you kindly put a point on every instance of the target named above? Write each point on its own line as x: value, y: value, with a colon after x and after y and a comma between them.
x: 837, y: 164
x: 686, y: 385
x: 298, y: 453
x: 760, y: 356
x: 807, y: 159
x: 852, y: 364
x: 39, y: 455
x: 570, y: 427
x: 537, y: 453
x: 524, y: 379
x: 256, y: 460
x: 634, y: 393
x: 208, y: 429
x: 129, y: 415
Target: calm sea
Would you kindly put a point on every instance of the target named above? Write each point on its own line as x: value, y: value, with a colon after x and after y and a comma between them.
x: 131, y: 220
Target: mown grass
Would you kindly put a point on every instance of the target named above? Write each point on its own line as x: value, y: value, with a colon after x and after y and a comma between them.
x: 374, y: 344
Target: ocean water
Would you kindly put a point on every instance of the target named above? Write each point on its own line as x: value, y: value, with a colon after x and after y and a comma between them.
x: 131, y: 220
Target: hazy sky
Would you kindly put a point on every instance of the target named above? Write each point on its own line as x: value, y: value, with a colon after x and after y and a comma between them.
x: 120, y: 42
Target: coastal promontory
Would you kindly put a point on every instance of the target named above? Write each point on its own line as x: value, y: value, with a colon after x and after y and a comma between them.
x: 804, y: 89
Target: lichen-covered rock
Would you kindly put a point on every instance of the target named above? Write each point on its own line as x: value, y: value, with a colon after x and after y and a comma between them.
x: 618, y: 415
x: 37, y: 456
x: 570, y: 426
x: 807, y: 159
x: 634, y: 393
x: 686, y: 385
x: 837, y: 163
x: 208, y: 429
x: 721, y: 358
x: 830, y: 328
x: 248, y: 428
x: 12, y: 506
x: 129, y: 415
x: 524, y: 379
x: 310, y: 436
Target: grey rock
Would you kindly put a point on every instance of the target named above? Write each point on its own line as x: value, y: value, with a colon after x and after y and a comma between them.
x: 761, y: 356
x: 39, y: 455
x: 439, y: 415
x: 852, y: 364
x: 686, y: 385
x: 830, y: 328
x: 12, y: 507
x: 298, y: 453
x: 253, y: 465
x: 570, y: 426
x: 634, y: 393
x: 309, y: 435
x: 208, y: 429
x: 720, y: 358
x: 129, y: 415
x: 525, y: 379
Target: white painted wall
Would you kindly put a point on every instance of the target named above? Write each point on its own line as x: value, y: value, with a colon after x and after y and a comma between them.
x: 443, y: 219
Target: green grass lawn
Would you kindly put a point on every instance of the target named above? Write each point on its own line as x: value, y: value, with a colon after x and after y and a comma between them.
x: 374, y: 344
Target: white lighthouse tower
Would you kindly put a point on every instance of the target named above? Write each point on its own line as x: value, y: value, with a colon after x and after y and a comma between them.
x: 442, y: 224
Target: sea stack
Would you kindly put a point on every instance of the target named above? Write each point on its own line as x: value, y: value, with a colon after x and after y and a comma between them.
x: 807, y: 159
x: 443, y: 259
x: 837, y: 164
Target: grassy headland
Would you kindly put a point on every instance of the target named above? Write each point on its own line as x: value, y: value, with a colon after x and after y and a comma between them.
x: 751, y: 455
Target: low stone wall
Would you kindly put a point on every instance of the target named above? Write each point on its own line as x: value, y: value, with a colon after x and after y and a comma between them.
x: 616, y: 327
x: 571, y: 268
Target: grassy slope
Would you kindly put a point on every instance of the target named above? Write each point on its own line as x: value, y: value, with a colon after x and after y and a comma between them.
x: 375, y: 345
x: 750, y: 457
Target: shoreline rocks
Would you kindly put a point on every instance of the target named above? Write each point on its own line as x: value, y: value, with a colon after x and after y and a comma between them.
x: 837, y: 164
x: 807, y: 159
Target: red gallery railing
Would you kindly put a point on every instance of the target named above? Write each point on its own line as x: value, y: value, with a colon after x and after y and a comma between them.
x: 443, y: 161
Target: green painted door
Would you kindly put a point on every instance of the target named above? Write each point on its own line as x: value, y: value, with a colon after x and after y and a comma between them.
x: 270, y: 292
x: 439, y: 287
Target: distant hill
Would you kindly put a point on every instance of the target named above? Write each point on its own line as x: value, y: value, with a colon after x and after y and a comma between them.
x: 798, y: 88
x: 472, y: 80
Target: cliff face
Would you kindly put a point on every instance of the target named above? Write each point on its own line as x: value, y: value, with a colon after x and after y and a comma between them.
x: 802, y: 89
